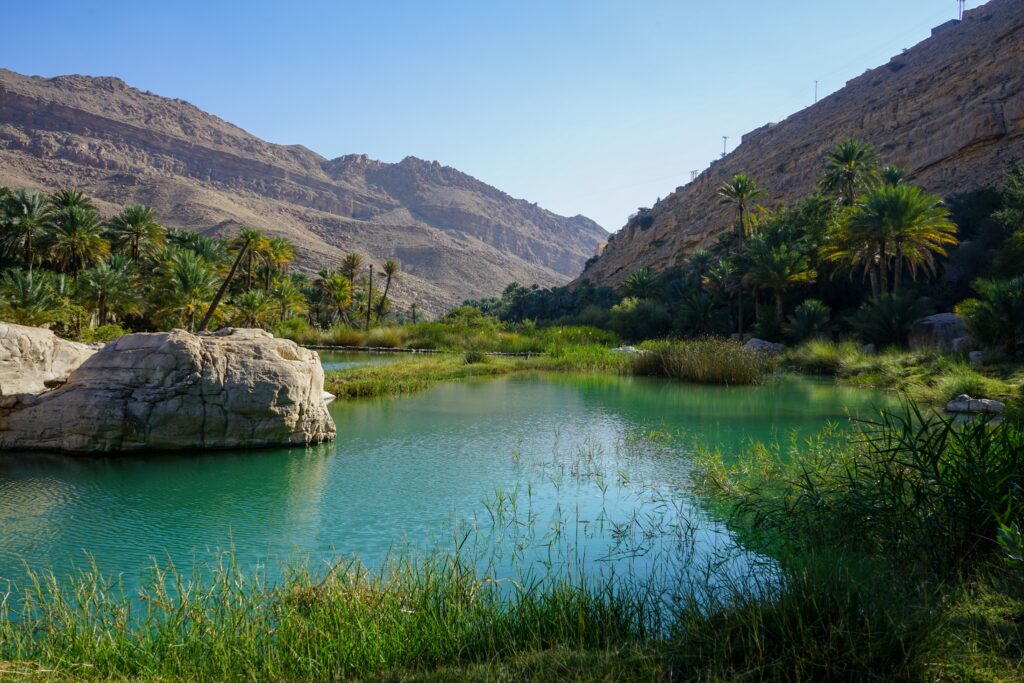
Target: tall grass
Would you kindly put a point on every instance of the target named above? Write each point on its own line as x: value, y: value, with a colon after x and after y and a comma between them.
x: 707, y: 361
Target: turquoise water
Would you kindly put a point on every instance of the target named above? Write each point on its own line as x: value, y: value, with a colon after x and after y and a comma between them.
x: 538, y: 470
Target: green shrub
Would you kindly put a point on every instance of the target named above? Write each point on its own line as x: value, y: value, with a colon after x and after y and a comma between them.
x: 104, y: 333
x: 889, y: 319
x: 810, y: 319
x: 996, y: 318
x: 474, y: 356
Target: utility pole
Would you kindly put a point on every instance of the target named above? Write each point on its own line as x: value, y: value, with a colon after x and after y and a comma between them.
x: 961, y: 4
x: 815, y: 92
x: 693, y: 175
x: 725, y: 141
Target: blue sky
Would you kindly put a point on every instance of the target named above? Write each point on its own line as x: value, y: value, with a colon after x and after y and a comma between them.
x: 584, y: 106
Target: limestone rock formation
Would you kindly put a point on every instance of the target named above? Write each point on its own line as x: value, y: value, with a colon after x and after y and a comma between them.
x: 965, y: 404
x: 950, y: 110
x: 32, y: 356
x: 455, y: 236
x: 236, y: 388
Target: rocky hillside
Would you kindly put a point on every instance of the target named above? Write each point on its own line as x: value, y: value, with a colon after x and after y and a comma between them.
x: 950, y: 110
x: 455, y: 236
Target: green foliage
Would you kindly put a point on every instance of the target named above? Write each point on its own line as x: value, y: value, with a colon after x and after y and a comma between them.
x: 641, y: 284
x: 996, y: 318
x: 29, y: 298
x: 641, y: 319
x: 104, y: 333
x: 889, y: 319
x: 810, y: 319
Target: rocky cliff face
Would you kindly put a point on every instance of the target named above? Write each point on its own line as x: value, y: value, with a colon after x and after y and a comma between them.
x: 456, y: 236
x: 950, y: 110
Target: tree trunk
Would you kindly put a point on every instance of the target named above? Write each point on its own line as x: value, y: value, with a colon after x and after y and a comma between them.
x: 873, y: 277
x: 369, y: 297
x: 384, y: 299
x: 103, y: 309
x: 897, y: 276
x: 739, y: 312
x: 778, y: 305
x: 883, y: 268
x: 742, y: 230
x: 220, y: 292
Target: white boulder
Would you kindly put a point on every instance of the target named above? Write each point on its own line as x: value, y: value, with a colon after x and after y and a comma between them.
x: 32, y: 356
x: 174, y: 390
x: 965, y: 404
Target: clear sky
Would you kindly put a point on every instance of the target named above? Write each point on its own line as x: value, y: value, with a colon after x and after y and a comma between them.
x: 584, y: 106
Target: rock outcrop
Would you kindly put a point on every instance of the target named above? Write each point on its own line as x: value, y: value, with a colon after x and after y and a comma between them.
x: 236, y: 388
x: 32, y: 356
x: 950, y: 110
x: 455, y: 236
x: 762, y: 346
x: 965, y: 404
x: 938, y: 331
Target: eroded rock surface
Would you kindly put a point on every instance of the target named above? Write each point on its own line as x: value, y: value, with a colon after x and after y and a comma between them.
x: 32, y: 356
x: 174, y: 390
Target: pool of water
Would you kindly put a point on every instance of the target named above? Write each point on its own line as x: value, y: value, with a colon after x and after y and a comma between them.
x: 340, y: 360
x: 539, y: 470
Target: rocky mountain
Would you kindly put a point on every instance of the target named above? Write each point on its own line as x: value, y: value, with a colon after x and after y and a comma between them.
x: 455, y: 236
x: 950, y: 110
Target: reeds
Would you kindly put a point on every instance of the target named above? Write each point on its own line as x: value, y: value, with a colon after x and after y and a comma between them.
x: 706, y: 361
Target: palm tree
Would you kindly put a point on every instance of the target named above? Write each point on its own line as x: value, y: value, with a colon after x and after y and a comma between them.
x: 391, y: 272
x: 778, y: 268
x: 338, y: 291
x: 251, y: 309
x: 278, y: 255
x: 29, y: 298
x: 70, y: 199
x: 921, y: 228
x: 288, y: 298
x: 741, y: 191
x: 914, y: 223
x: 24, y: 219
x: 641, y: 283
x: 245, y: 244
x: 893, y: 175
x: 137, y: 230
x: 76, y: 239
x: 369, y: 297
x: 187, y: 288
x: 109, y: 288
x: 350, y: 265
x: 852, y: 167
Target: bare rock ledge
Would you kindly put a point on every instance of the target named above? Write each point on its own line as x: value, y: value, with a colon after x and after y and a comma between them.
x: 236, y: 388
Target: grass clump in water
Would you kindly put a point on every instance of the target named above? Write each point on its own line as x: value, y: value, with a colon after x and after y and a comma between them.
x: 707, y: 361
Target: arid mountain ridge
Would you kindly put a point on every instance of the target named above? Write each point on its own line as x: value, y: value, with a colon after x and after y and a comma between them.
x: 455, y: 236
x: 950, y: 110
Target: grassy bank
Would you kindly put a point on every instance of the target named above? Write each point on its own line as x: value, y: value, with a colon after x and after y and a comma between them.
x: 415, y: 373
x: 890, y: 567
x: 924, y: 375
x: 709, y: 361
